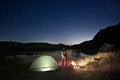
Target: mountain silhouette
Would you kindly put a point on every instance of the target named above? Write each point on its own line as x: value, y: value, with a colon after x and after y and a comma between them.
x: 105, y: 40
x: 108, y: 35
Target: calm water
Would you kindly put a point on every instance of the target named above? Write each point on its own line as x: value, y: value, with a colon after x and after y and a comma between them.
x: 55, y: 54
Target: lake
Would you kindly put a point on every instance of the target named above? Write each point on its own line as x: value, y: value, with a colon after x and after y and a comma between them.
x: 55, y: 54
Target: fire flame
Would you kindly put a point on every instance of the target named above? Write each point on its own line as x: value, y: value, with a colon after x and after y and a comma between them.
x: 82, y: 63
x: 73, y: 63
x: 77, y: 65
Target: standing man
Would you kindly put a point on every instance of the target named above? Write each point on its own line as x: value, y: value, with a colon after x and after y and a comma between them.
x: 65, y: 55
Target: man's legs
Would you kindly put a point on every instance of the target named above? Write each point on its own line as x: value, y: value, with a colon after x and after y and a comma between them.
x: 66, y: 61
x: 62, y: 61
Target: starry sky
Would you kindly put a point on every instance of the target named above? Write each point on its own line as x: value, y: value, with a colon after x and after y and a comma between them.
x: 56, y: 21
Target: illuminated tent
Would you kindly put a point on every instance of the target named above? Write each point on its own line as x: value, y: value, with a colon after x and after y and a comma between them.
x: 44, y: 63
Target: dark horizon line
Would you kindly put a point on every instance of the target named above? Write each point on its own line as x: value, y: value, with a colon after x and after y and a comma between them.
x: 37, y: 42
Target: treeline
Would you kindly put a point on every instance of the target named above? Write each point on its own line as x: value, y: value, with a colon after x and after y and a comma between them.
x: 9, y: 48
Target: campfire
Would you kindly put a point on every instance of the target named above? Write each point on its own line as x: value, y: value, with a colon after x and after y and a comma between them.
x: 82, y: 63
x: 79, y: 65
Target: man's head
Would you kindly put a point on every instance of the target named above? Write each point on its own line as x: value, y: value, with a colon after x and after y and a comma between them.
x: 63, y: 48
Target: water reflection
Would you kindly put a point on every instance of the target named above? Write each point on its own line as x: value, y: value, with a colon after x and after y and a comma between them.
x: 55, y: 54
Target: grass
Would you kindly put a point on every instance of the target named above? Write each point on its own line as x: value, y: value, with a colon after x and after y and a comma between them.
x: 102, y: 66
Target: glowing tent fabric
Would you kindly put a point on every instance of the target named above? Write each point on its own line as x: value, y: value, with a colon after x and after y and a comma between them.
x: 44, y: 63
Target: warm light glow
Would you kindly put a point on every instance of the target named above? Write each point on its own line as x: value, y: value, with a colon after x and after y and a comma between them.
x: 73, y: 63
x: 83, y: 63
x: 78, y: 64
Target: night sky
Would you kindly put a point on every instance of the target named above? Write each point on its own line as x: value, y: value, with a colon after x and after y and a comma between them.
x: 56, y: 21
